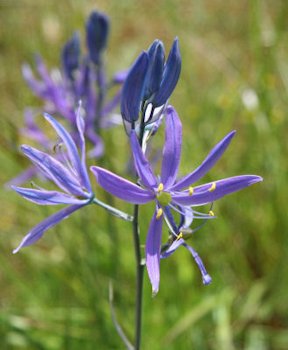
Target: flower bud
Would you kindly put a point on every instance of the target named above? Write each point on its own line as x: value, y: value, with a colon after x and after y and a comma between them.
x: 71, y: 56
x: 155, y: 70
x: 97, y: 30
x: 133, y: 88
x: 170, y: 75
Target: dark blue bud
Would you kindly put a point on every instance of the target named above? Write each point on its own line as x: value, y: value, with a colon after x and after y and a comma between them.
x: 171, y: 74
x: 155, y: 71
x: 133, y: 88
x: 71, y: 56
x: 97, y: 30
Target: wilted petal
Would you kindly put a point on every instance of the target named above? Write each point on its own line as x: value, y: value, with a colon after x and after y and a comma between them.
x: 172, y: 148
x: 53, y: 169
x: 71, y: 149
x: 38, y: 231
x: 206, y: 278
x: 44, y: 197
x: 153, y: 246
x: 215, y: 190
x: 142, y: 165
x: 133, y: 89
x: 171, y: 75
x: 120, y: 187
x: 173, y: 247
x: 208, y: 163
x: 97, y: 30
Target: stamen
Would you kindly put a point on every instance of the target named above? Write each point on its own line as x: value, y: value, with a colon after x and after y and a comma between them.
x: 160, y: 187
x: 213, y: 187
x: 191, y: 190
x: 159, y: 213
x: 211, y: 213
x: 179, y: 236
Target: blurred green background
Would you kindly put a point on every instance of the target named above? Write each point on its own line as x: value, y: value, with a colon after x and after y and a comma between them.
x: 54, y: 295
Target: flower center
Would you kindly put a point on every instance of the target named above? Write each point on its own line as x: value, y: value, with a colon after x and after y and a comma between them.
x: 164, y: 198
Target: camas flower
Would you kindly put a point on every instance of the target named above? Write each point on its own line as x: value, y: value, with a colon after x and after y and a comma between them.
x: 166, y: 191
x: 70, y: 175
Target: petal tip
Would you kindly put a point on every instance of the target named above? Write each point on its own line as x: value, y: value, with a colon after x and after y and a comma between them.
x: 207, y: 279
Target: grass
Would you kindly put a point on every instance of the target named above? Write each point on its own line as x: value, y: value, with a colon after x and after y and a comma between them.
x: 54, y: 295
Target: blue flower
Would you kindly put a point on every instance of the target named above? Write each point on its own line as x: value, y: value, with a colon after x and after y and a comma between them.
x: 167, y: 191
x: 70, y: 175
x: 150, y: 80
x: 97, y: 30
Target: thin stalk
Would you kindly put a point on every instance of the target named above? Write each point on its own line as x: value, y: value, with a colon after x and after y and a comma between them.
x: 120, y: 214
x: 137, y: 248
x: 139, y: 279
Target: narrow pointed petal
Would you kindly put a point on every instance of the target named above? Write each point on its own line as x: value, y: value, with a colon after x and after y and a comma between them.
x: 172, y: 148
x: 133, y: 89
x: 171, y: 75
x: 120, y: 187
x: 142, y: 165
x: 38, y: 231
x: 35, y: 85
x: 44, y: 197
x: 81, y: 129
x: 202, y: 195
x: 207, y: 164
x: 54, y: 170
x: 153, y: 246
x: 206, y: 278
x: 71, y: 149
x: 173, y: 247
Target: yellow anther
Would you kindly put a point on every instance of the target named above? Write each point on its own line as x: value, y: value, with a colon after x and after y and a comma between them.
x: 160, y: 187
x: 213, y: 187
x: 179, y: 236
x: 159, y: 213
x: 211, y: 213
x: 191, y: 190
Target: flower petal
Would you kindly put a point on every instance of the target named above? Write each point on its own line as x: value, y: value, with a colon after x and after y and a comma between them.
x: 153, y: 246
x: 81, y: 128
x: 171, y: 75
x: 142, y: 165
x: 120, y: 187
x: 44, y: 197
x: 172, y: 148
x: 54, y: 170
x: 215, y: 190
x: 71, y: 149
x: 173, y: 247
x: 37, y: 232
x: 133, y: 88
x: 208, y: 163
x: 206, y: 278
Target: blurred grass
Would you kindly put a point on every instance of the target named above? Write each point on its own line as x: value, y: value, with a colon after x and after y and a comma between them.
x: 54, y: 295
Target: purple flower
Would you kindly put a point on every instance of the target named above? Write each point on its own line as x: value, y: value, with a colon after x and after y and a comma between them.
x: 166, y: 191
x: 150, y: 80
x: 70, y: 175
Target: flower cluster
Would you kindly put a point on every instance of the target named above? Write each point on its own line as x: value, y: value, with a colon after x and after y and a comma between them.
x: 82, y: 77
x: 144, y: 105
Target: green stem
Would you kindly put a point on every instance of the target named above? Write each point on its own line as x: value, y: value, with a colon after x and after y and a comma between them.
x: 139, y: 278
x: 120, y: 214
